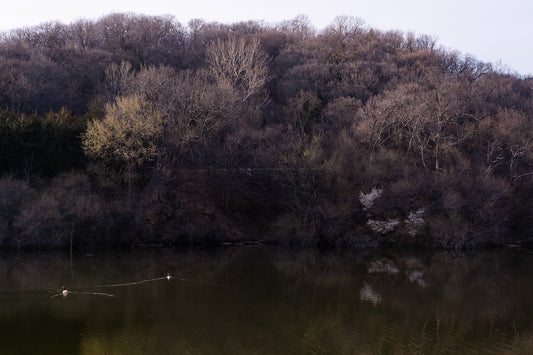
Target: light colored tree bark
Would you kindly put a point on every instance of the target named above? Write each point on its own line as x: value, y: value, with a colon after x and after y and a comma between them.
x: 239, y: 64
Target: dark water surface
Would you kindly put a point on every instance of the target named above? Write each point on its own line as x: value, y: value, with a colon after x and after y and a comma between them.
x: 260, y: 300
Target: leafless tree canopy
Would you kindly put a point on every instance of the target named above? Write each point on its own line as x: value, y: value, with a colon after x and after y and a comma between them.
x: 240, y: 64
x: 146, y: 128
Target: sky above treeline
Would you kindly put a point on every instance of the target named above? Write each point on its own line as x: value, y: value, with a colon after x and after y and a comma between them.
x: 496, y: 31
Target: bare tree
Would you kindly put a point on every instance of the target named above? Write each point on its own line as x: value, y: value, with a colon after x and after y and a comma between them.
x: 118, y: 79
x: 239, y: 64
x: 83, y: 35
x: 510, y: 143
x: 345, y: 26
x: 299, y: 28
x: 157, y: 85
x: 430, y: 120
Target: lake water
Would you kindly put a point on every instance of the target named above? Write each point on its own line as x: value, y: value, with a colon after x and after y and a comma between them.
x: 259, y: 300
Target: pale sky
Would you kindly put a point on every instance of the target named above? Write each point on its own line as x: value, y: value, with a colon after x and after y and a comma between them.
x: 497, y: 31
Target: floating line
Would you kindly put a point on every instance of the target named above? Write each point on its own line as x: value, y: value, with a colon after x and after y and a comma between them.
x: 82, y: 293
x: 136, y: 282
x: 65, y: 293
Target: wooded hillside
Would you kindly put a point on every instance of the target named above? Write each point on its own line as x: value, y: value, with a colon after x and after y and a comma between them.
x: 135, y: 130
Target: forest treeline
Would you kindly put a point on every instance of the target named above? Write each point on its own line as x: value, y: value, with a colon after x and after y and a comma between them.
x: 137, y: 130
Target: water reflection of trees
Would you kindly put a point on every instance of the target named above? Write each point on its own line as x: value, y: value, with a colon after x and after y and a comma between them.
x: 268, y: 300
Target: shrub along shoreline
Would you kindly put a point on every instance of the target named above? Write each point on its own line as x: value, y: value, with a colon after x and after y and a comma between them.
x: 68, y: 212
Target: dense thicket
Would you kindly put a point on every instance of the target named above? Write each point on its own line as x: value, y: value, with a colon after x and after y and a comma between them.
x: 139, y: 130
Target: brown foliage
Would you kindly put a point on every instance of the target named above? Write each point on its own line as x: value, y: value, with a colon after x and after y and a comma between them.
x: 214, y: 126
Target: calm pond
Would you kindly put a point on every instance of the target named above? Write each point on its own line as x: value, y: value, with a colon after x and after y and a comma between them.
x: 259, y: 300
